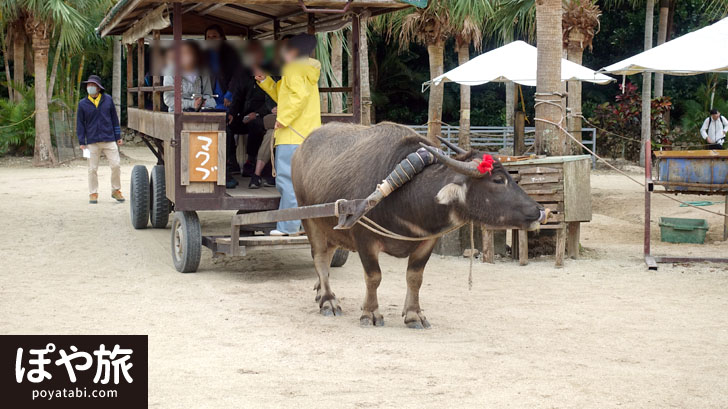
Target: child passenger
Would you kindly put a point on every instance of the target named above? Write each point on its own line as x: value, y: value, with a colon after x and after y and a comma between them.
x: 299, y: 113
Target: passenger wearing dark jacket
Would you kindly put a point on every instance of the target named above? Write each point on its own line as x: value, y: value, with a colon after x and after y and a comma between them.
x: 97, y: 127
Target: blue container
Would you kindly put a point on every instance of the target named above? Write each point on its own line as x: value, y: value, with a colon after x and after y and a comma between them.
x: 705, y: 167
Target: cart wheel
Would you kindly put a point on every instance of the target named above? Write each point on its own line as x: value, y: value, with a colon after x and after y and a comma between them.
x: 186, y: 242
x: 139, y: 197
x: 159, y: 204
x: 340, y: 257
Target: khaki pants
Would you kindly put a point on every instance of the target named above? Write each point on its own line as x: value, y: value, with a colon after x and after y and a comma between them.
x: 111, y: 151
x: 265, y: 147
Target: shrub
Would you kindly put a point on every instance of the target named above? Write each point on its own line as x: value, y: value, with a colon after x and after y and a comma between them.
x: 621, y: 121
x: 17, y: 126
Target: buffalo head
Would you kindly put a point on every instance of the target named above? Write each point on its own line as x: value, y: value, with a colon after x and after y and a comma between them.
x: 488, y: 196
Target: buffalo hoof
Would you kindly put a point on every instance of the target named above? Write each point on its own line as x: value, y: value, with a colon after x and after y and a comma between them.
x: 329, y: 305
x: 371, y: 318
x: 330, y: 311
x: 416, y: 320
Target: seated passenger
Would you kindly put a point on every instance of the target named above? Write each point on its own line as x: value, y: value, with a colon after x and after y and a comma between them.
x: 245, y: 116
x: 263, y: 157
x: 196, y: 88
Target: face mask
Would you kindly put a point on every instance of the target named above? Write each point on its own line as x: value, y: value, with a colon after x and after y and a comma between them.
x: 92, y: 90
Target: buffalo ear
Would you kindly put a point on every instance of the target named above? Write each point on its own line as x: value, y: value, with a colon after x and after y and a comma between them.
x: 452, y: 192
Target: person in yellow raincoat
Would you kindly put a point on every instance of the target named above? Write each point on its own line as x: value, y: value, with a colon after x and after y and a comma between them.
x: 299, y: 113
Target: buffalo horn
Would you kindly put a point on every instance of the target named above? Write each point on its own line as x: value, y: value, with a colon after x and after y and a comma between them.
x: 468, y: 168
x: 452, y: 146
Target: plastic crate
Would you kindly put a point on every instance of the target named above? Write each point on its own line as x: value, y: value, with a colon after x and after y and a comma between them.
x: 679, y: 230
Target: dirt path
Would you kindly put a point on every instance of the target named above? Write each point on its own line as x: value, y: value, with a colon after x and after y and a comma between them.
x: 601, y: 332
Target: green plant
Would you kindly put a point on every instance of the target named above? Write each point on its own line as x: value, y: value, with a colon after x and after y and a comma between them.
x: 17, y: 128
x: 619, y: 124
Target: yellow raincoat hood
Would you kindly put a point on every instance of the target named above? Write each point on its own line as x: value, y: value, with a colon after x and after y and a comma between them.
x: 297, y: 96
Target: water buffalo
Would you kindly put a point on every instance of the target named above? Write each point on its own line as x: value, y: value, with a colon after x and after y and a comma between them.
x: 348, y: 161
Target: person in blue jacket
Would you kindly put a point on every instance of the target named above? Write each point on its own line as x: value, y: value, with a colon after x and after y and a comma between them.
x: 97, y: 127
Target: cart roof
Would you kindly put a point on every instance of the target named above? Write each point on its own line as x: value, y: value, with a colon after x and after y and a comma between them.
x: 240, y: 17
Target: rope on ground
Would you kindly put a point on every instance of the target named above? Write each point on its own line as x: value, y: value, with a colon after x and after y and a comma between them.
x: 624, y: 173
x: 21, y: 121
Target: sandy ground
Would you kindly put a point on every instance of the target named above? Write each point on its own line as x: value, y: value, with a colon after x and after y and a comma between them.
x: 602, y: 332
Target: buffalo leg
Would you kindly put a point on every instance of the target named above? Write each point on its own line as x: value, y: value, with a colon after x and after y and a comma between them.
x: 372, y: 276
x: 413, y: 316
x: 322, y: 254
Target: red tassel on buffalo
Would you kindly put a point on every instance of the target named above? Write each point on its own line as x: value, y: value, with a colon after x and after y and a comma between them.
x: 486, y: 165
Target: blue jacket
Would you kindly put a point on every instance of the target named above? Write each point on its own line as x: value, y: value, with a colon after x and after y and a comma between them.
x: 97, y: 124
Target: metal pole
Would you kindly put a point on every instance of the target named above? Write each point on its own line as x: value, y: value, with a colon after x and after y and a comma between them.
x: 648, y: 184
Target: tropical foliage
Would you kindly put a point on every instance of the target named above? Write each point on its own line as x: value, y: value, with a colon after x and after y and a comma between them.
x: 619, y: 124
x: 17, y: 129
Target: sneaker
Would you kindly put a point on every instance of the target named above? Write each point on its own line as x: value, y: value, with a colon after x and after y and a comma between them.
x: 93, y: 198
x: 277, y: 233
x: 269, y: 182
x: 231, y: 184
x: 255, y: 182
x: 116, y: 194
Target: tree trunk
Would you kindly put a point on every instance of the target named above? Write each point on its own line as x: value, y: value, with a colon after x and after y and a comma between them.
x: 647, y: 84
x: 549, y: 139
x: 337, y: 71
x: 54, y: 70
x: 511, y: 98
x: 19, y: 58
x: 464, y: 135
x: 116, y: 75
x: 8, y: 77
x: 366, y: 94
x: 434, y: 106
x: 511, y: 102
x: 575, y: 54
x: 43, y: 154
x: 661, y: 38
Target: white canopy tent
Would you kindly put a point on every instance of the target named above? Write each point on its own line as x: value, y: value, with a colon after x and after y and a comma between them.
x: 517, y: 62
x: 697, y: 52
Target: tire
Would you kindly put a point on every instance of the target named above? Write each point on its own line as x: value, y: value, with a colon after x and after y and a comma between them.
x: 186, y: 242
x: 158, y: 204
x: 139, y: 197
x: 340, y: 257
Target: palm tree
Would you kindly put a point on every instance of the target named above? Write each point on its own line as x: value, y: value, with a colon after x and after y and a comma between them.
x: 716, y: 8
x: 661, y: 38
x: 41, y: 20
x: 548, y: 81
x: 431, y: 27
x: 647, y: 83
x: 14, y: 42
x: 580, y: 23
x: 469, y: 18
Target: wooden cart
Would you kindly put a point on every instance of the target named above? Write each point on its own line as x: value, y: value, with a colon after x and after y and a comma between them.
x: 190, y: 146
